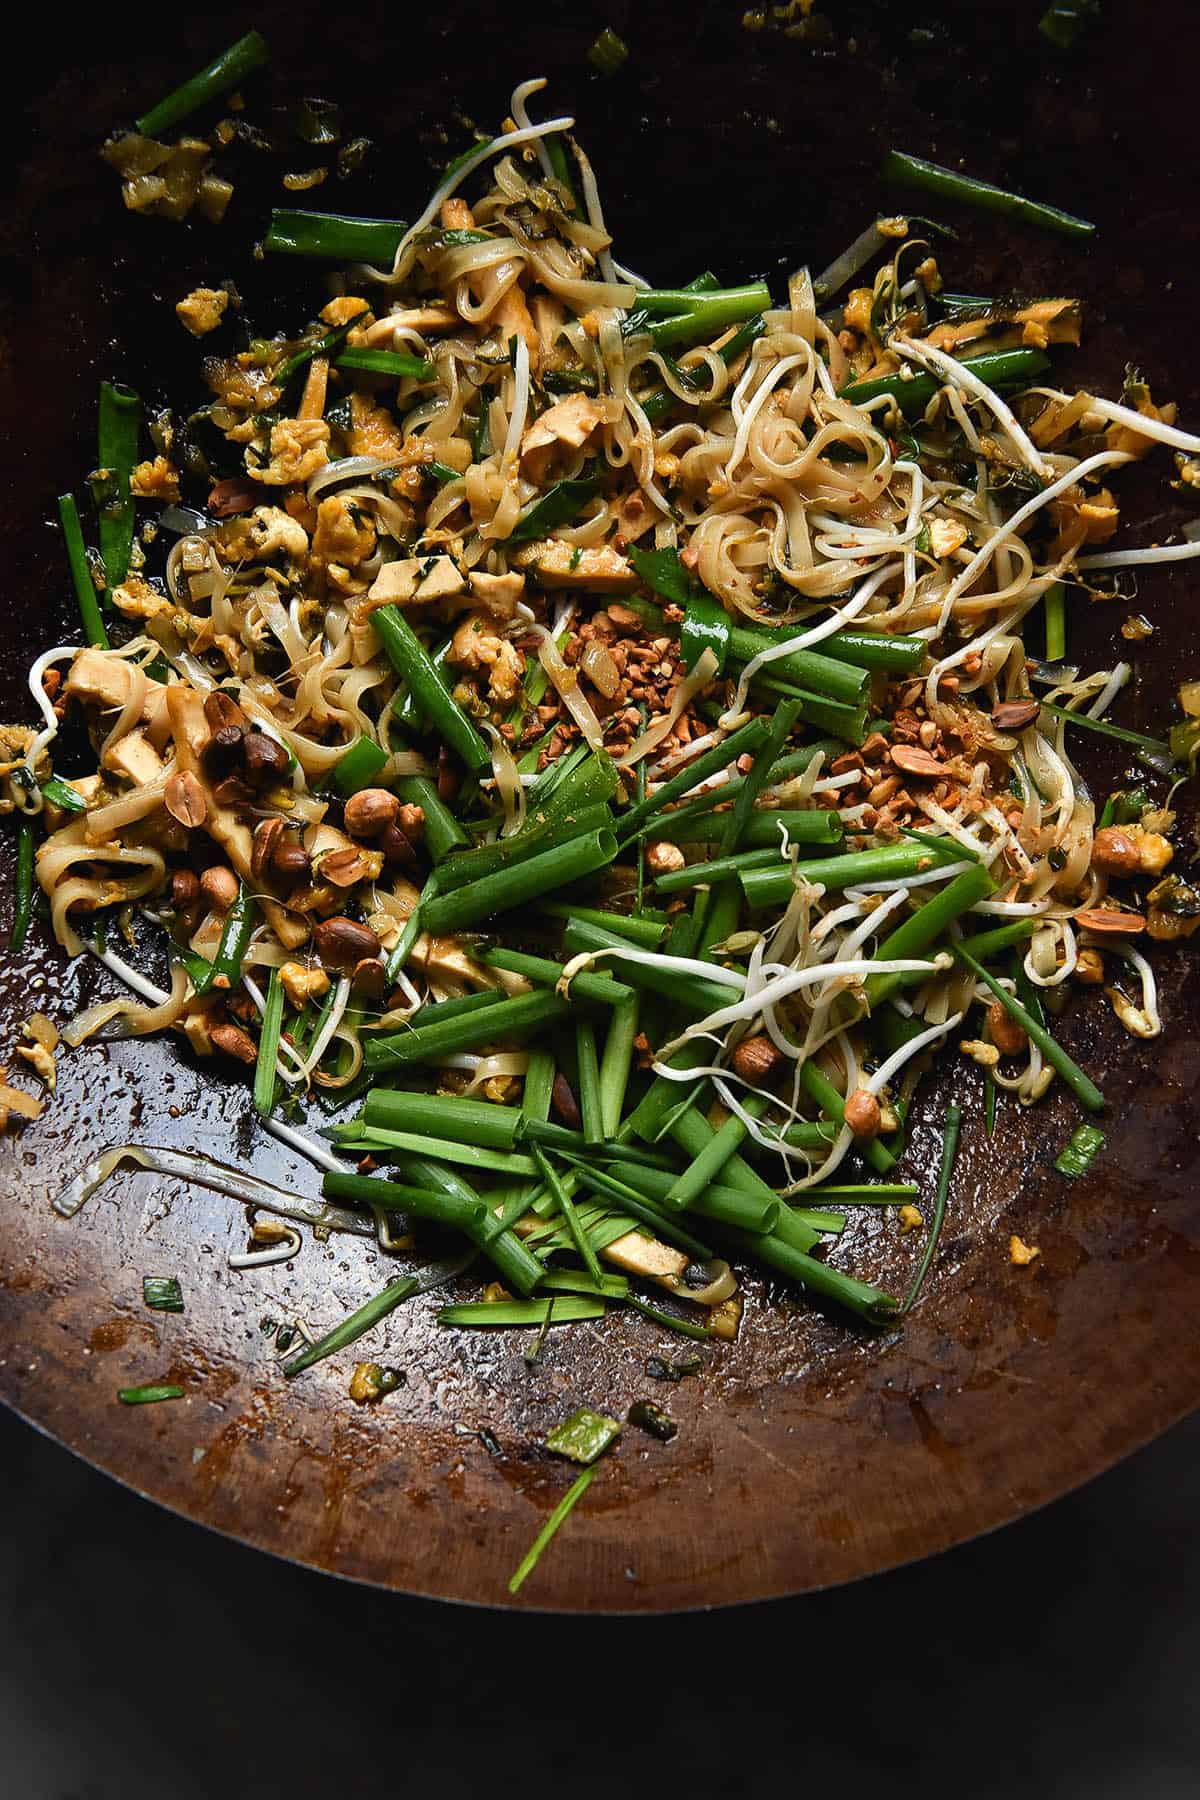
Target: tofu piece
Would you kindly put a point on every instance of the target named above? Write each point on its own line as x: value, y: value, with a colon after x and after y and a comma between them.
x: 444, y: 961
x: 646, y: 1256
x: 498, y: 593
x: 635, y: 516
x: 556, y: 564
x: 417, y: 581
x: 135, y: 757
x: 568, y: 423
x: 97, y: 678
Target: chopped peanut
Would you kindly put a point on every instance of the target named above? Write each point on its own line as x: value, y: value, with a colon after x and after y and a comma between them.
x: 862, y: 1114
x: 1008, y: 1037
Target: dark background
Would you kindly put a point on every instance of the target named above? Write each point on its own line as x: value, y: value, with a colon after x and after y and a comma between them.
x: 142, y: 1656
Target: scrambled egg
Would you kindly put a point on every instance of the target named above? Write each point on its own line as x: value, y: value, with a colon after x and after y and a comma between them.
x: 299, y: 447
x: 202, y: 310
x: 155, y: 480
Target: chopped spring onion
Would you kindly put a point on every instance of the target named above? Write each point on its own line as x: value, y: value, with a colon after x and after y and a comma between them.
x: 335, y: 236
x: 583, y: 1437
x: 356, y: 1324
x: 653, y: 1420
x: 1084, y: 1089
x: 119, y: 426
x: 1066, y: 21
x: 22, y: 887
x: 1054, y: 603
x: 162, y: 1293
x: 608, y: 52
x: 1077, y: 1158
x: 225, y: 71
x: 949, y: 1152
x: 146, y: 1396
x: 81, y: 574
x: 268, y: 1047
x: 566, y: 1505
x: 558, y: 1310
x: 914, y: 171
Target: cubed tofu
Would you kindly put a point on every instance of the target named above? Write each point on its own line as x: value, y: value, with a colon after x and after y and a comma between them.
x: 98, y: 678
x: 135, y: 757
x: 568, y: 424
x: 498, y: 593
x: 555, y: 564
x: 646, y: 1256
x: 417, y: 581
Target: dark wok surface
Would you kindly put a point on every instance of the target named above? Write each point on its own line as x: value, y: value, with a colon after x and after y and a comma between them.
x: 806, y: 1455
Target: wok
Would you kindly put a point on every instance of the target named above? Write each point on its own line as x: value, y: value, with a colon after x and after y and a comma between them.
x: 808, y: 1453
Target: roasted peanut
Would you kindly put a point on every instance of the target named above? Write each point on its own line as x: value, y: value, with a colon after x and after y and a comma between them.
x: 343, y: 943
x: 662, y: 858
x: 395, y: 846
x: 344, y: 868
x: 411, y: 820
x: 265, y: 761
x: 369, y: 812
x: 268, y: 835
x: 1008, y: 1037
x: 1114, y: 852
x: 289, y: 863
x: 223, y: 752
x: 563, y: 1102
x: 917, y: 762
x: 219, y: 885
x: 1107, y: 919
x: 862, y: 1114
x: 756, y: 1058
x: 232, y: 792
x: 231, y: 1040
x: 369, y: 978
x: 221, y: 710
x: 185, y: 889
x: 1015, y: 715
x: 184, y: 799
